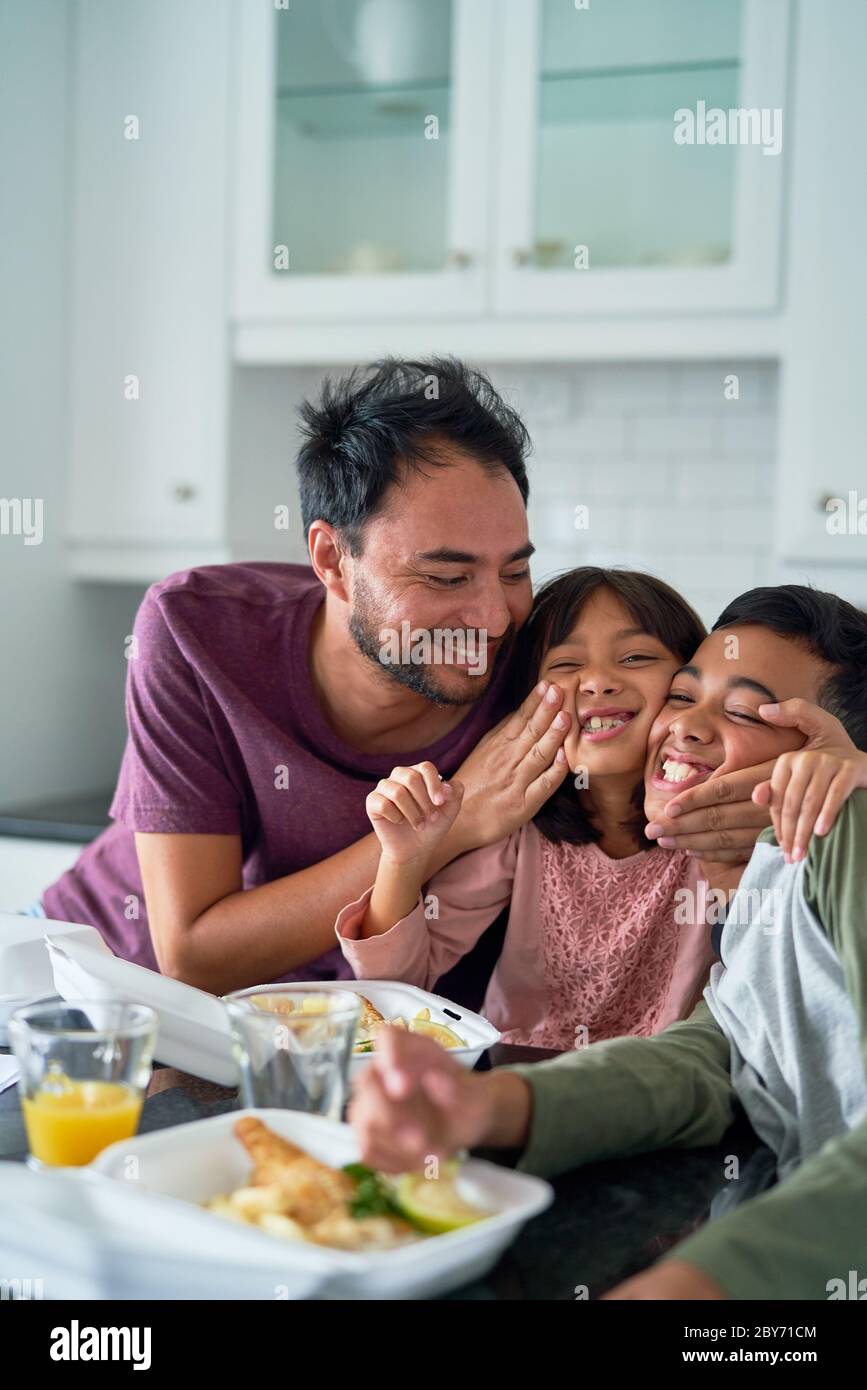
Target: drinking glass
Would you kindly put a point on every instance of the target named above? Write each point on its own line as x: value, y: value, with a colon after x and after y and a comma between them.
x: 293, y: 1044
x: 84, y: 1069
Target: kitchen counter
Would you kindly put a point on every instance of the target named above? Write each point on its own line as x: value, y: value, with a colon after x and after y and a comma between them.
x: 608, y: 1221
x: 78, y: 819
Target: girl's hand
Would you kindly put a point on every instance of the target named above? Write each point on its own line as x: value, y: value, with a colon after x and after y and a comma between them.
x: 514, y: 769
x: 412, y: 810
x: 807, y: 787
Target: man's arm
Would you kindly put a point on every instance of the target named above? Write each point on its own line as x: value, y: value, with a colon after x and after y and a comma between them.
x: 209, y: 932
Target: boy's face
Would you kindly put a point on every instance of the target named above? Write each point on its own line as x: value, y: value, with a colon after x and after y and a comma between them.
x: 709, y: 725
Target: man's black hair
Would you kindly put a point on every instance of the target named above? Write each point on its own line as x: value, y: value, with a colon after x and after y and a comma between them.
x: 367, y: 427
x: 829, y: 628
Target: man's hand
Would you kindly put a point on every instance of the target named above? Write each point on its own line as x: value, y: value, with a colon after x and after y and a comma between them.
x: 672, y: 1279
x: 718, y: 818
x: 808, y: 786
x: 513, y: 770
x: 413, y: 1102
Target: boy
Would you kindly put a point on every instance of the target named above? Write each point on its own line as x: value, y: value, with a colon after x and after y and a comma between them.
x: 783, y: 1026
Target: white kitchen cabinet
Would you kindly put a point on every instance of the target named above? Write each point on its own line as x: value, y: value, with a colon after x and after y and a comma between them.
x: 149, y: 358
x: 355, y: 234
x: 822, y: 465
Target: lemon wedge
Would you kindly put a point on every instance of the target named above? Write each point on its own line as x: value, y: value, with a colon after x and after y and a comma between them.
x: 433, y: 1205
x: 438, y: 1031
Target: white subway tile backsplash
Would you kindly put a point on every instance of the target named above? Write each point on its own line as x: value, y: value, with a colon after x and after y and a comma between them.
x: 735, y: 479
x: 648, y: 386
x: 585, y: 434
x: 747, y: 432
x: 677, y: 479
x: 709, y: 386
x: 673, y: 434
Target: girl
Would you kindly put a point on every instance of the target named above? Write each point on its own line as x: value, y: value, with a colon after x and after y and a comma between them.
x: 593, y: 947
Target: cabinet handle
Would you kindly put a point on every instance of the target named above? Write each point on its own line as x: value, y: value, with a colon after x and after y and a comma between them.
x: 458, y: 260
x: 521, y: 256
x: 183, y: 492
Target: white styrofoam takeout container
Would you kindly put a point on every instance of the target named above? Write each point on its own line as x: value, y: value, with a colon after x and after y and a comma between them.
x: 25, y: 969
x: 88, y: 1236
x: 194, y: 1162
x: 397, y: 1000
x: 194, y: 1032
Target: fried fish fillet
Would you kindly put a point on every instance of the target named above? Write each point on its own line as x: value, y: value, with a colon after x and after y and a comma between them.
x: 311, y: 1190
x: 369, y: 1021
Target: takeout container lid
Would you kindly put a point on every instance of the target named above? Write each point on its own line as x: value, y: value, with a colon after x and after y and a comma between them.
x: 194, y: 1032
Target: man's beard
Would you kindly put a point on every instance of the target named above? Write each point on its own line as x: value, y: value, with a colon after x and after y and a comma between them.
x: 365, y: 630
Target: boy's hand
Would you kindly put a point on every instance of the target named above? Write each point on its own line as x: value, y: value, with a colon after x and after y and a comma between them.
x: 807, y: 787
x: 412, y: 810
x: 413, y: 1102
x: 671, y: 1279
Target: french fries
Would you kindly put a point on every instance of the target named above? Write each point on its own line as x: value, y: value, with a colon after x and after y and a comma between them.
x: 292, y: 1195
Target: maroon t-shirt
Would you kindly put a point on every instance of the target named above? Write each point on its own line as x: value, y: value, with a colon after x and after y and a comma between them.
x: 226, y: 737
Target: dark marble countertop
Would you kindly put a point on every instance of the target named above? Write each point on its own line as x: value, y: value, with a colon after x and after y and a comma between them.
x: 608, y: 1221
x: 78, y: 819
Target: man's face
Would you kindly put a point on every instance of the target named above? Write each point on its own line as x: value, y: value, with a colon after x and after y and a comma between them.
x: 443, y: 583
x: 710, y: 725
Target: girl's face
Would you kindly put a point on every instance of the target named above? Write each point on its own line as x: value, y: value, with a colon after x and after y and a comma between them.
x: 709, y: 724
x: 615, y: 678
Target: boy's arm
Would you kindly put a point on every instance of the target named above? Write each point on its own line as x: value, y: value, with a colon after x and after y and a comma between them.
x: 794, y: 1240
x: 630, y: 1095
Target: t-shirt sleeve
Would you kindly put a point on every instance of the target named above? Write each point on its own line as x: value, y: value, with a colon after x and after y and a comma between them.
x: 173, y: 777
x: 629, y: 1095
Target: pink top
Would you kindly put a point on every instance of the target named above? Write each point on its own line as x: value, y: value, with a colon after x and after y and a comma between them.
x: 595, y: 947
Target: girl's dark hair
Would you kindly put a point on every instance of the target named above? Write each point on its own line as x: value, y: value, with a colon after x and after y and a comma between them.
x: 393, y: 412
x: 655, y: 607
x: 829, y: 628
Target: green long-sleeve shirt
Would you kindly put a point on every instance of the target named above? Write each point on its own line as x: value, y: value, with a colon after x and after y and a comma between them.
x: 632, y: 1095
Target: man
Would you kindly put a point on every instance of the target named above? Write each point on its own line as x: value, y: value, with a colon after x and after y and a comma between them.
x: 265, y: 700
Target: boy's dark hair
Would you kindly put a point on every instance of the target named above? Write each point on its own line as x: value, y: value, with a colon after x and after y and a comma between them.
x: 655, y: 607
x: 829, y: 628
x: 366, y: 424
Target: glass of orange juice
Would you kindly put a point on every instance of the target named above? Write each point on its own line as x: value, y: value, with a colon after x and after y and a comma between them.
x: 85, y: 1065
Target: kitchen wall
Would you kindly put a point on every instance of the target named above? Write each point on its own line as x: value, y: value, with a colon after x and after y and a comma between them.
x: 650, y: 450
x: 61, y: 644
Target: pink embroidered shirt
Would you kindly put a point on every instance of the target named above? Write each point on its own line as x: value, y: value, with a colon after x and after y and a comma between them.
x: 595, y: 947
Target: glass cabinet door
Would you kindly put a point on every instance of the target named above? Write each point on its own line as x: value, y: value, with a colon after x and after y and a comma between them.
x: 607, y: 166
x: 364, y: 157
x: 362, y: 105
x: 614, y: 172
